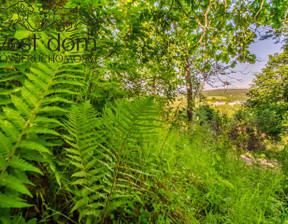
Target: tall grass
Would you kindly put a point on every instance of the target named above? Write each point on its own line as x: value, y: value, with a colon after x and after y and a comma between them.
x: 204, y: 181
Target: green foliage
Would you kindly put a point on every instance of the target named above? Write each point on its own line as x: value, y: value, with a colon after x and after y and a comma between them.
x: 72, y: 152
x: 208, y: 117
x: 204, y: 114
x: 109, y: 158
x: 28, y: 127
x: 270, y: 86
x: 5, y: 219
x: 270, y: 122
x: 268, y: 97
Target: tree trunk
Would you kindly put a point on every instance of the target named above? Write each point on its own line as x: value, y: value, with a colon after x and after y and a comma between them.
x: 189, y: 90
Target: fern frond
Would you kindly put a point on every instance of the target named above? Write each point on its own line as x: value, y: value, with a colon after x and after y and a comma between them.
x: 11, y: 74
x: 15, y: 184
x: 102, y: 150
x: 84, y: 142
x: 29, y: 125
x: 7, y: 201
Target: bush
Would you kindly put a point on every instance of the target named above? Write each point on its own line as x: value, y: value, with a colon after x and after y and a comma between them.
x: 270, y: 120
x: 206, y: 116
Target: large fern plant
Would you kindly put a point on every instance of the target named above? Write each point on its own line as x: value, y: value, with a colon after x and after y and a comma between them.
x: 29, y: 123
x: 109, y: 155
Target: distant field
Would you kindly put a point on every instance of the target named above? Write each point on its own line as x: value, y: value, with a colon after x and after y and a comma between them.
x: 227, y: 95
x: 212, y: 96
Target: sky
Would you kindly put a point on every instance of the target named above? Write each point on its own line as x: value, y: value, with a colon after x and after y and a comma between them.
x: 262, y: 49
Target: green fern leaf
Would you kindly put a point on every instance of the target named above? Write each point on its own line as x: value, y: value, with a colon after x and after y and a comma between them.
x: 10, y: 202
x: 101, y: 150
x: 12, y: 182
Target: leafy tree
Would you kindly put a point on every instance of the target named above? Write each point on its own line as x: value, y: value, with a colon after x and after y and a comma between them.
x: 157, y: 47
x: 271, y: 85
x: 210, y: 33
x: 200, y: 39
x: 269, y: 94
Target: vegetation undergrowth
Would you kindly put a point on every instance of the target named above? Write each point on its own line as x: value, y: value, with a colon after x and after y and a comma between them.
x: 97, y: 142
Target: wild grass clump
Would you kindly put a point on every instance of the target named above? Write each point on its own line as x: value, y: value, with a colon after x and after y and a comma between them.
x: 202, y: 180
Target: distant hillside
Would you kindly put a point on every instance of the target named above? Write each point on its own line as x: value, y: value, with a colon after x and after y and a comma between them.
x: 227, y: 95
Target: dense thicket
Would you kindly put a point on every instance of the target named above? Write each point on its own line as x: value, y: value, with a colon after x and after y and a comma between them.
x: 97, y: 142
